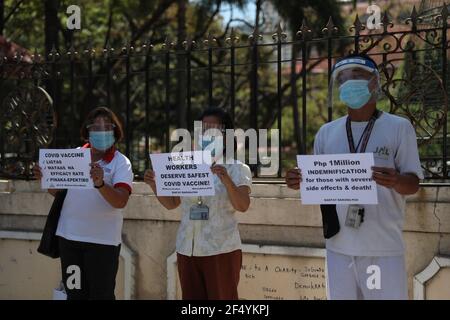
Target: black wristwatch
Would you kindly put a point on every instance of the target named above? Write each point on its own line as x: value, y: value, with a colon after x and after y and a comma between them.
x: 103, y: 184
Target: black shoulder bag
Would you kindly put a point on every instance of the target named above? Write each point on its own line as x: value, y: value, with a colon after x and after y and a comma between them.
x: 330, y: 220
x: 49, y: 242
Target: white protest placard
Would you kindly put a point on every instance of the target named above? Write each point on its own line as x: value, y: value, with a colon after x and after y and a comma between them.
x: 65, y: 168
x: 337, y: 179
x: 183, y: 174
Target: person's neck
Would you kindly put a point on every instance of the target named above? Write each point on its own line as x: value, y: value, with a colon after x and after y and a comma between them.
x: 363, y: 114
x: 96, y: 155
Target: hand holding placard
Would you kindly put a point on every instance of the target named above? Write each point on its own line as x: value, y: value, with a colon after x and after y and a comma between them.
x: 294, y: 178
x: 149, y: 178
x: 96, y: 174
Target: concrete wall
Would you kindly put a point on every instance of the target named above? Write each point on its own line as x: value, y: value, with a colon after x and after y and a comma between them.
x: 275, y: 217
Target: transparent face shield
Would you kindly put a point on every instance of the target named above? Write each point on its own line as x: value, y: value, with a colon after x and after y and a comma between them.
x: 101, y: 133
x: 353, y: 86
x: 211, y: 138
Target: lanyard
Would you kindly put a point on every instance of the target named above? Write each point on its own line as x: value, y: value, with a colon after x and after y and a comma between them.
x: 365, y: 135
x: 199, y: 198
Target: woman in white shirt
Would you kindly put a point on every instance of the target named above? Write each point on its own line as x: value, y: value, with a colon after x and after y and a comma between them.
x: 209, y: 255
x: 90, y: 224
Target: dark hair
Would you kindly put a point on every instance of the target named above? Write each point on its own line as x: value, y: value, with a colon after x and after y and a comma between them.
x: 224, y: 118
x: 364, y: 56
x: 219, y: 113
x: 102, y: 112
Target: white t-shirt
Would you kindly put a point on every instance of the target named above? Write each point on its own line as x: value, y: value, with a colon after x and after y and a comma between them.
x: 394, y: 145
x: 219, y: 234
x: 86, y: 216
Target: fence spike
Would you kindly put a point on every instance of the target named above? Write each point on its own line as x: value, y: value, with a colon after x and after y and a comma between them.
x: 167, y: 45
x: 209, y: 40
x: 52, y: 53
x: 304, y: 31
x: 147, y: 46
x: 279, y: 35
x: 106, y: 50
x: 442, y: 16
x: 89, y: 50
x: 35, y: 55
x: 414, y: 19
x: 330, y: 28
x: 126, y: 46
x: 358, y: 26
x: 444, y: 12
x: 71, y: 50
x: 386, y: 22
x: 254, y: 37
x: 188, y: 44
x: 232, y: 34
x: 232, y: 39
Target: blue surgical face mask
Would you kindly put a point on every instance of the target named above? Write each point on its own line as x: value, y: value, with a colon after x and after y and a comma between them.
x: 205, y: 141
x: 101, y: 140
x: 355, y: 93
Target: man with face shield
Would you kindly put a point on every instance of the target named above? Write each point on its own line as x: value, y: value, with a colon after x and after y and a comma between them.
x: 365, y: 260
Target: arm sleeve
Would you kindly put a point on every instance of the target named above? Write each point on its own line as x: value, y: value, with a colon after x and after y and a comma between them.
x: 123, y: 175
x: 242, y: 175
x: 318, y: 145
x: 406, y: 157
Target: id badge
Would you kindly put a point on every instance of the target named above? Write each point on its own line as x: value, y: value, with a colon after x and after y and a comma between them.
x: 199, y: 212
x: 355, y: 216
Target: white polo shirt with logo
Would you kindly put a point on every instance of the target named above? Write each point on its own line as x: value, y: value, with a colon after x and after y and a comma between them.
x: 394, y: 145
x: 86, y: 216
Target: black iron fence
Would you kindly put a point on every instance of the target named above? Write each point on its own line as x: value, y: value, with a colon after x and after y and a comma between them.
x: 278, y: 83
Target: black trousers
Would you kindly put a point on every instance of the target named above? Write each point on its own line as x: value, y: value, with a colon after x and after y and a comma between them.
x: 96, y: 266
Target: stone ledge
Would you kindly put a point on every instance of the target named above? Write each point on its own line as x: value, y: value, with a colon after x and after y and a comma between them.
x: 425, y: 194
x: 420, y: 216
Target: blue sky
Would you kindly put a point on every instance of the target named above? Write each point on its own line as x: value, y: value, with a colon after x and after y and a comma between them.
x: 246, y: 14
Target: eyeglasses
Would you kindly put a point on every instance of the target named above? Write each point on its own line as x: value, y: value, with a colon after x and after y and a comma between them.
x: 101, y: 127
x: 206, y: 126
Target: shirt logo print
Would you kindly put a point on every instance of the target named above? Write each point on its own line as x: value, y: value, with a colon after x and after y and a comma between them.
x: 382, y: 152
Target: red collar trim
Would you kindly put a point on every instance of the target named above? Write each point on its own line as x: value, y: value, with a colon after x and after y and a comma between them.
x: 109, y: 154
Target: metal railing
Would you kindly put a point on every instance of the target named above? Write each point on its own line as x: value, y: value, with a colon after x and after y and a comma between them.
x: 276, y: 84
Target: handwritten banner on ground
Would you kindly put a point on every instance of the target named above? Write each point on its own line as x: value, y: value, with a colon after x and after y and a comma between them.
x: 337, y: 179
x: 184, y: 174
x: 65, y: 168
